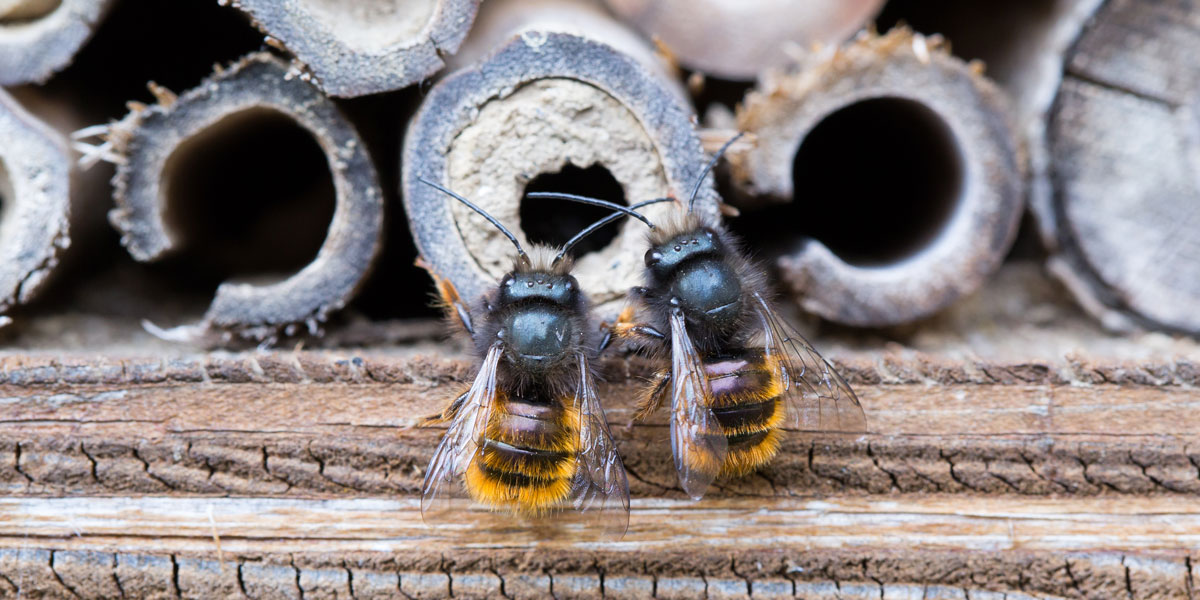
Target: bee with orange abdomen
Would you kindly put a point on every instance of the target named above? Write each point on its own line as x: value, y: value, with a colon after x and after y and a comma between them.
x: 529, y: 436
x: 738, y: 372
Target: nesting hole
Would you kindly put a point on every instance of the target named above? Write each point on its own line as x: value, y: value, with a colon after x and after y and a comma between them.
x: 875, y: 182
x: 554, y: 222
x: 15, y: 12
x: 249, y: 198
x: 373, y: 24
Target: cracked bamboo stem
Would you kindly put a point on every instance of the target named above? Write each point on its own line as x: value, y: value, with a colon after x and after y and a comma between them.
x: 547, y: 84
x: 35, y: 205
x: 965, y: 176
x: 39, y: 38
x: 151, y: 136
x: 367, y: 46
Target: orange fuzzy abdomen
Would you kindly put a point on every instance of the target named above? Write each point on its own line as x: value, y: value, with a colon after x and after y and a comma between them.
x: 747, y: 400
x: 527, y: 460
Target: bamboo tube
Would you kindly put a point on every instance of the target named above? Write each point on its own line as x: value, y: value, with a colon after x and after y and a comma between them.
x: 35, y: 206
x: 366, y: 46
x: 900, y: 161
x: 1122, y: 221
x: 40, y: 37
x: 739, y: 40
x: 159, y: 146
x: 563, y: 87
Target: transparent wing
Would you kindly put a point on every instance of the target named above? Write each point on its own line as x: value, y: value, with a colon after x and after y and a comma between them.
x: 600, y: 491
x: 460, y: 443
x: 817, y: 396
x: 697, y: 439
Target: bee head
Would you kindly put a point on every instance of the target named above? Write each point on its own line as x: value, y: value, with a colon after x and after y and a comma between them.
x: 664, y: 257
x: 539, y: 330
x: 700, y: 281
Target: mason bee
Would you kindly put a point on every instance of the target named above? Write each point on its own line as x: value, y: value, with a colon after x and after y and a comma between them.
x: 529, y: 437
x: 739, y: 373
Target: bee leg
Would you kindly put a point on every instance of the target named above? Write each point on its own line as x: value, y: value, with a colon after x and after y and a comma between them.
x: 626, y: 328
x: 653, y: 400
x: 448, y: 298
x: 445, y: 415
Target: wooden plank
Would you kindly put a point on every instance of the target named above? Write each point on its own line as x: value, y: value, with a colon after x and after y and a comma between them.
x: 321, y: 425
x: 981, y: 480
x: 249, y: 525
x: 1099, y: 547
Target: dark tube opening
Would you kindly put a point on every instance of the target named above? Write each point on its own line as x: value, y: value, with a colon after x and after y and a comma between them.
x: 554, y: 222
x: 874, y: 181
x: 250, y: 197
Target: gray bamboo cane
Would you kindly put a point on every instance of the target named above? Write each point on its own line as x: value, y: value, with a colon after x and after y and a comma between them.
x: 40, y: 37
x: 35, y: 167
x: 365, y: 46
x: 951, y: 102
x: 563, y: 84
x: 735, y: 39
x: 151, y: 136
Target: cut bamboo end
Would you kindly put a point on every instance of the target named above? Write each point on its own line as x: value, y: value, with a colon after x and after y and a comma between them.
x: 40, y: 37
x: 563, y: 89
x: 35, y: 204
x: 1122, y: 221
x: 738, y: 40
x: 160, y: 146
x: 365, y: 47
x: 900, y: 161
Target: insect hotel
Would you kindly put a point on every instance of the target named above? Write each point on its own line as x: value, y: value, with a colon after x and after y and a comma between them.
x: 599, y: 298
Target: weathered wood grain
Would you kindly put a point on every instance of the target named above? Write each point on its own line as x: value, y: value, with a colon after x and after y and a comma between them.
x: 310, y: 424
x: 905, y: 548
x: 977, y: 480
x: 1122, y: 219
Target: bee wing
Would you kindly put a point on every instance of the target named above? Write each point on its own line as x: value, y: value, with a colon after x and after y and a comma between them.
x: 600, y: 490
x: 817, y: 396
x: 697, y: 439
x: 461, y: 441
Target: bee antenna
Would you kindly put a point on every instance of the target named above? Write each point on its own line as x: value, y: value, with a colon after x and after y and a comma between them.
x: 590, y: 229
x: 592, y: 201
x: 712, y: 163
x: 512, y: 238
